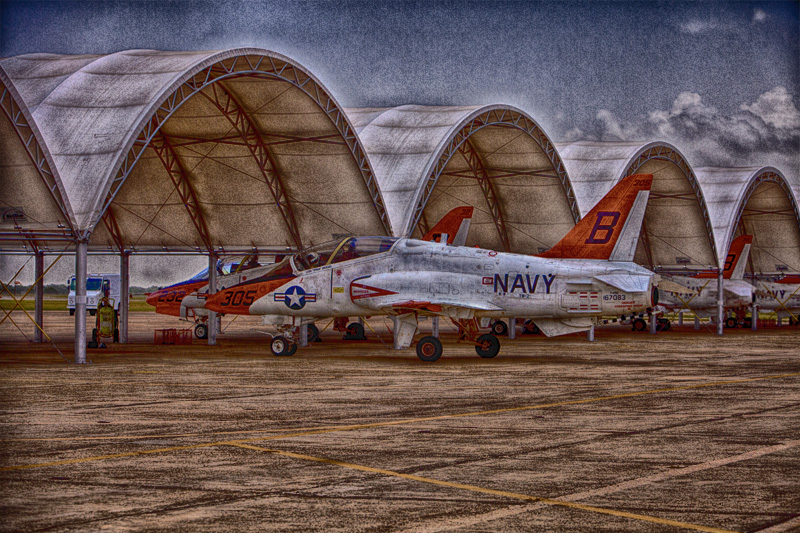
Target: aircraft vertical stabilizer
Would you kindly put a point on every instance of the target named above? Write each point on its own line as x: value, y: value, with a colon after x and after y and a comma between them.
x: 454, y: 224
x: 735, y: 262
x: 737, y: 257
x: 611, y: 229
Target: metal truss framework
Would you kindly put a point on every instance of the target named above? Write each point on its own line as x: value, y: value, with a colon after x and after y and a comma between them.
x: 231, y: 109
x: 183, y: 186
x: 110, y: 221
x: 497, y: 118
x: 252, y: 66
x: 665, y: 153
x: 741, y: 211
x: 27, y: 136
x: 479, y: 172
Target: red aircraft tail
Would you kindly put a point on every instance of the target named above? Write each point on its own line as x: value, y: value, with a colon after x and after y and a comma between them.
x: 734, y: 262
x: 611, y: 229
x: 454, y: 224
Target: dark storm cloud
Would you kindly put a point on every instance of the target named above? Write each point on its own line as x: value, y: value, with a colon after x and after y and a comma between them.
x: 764, y: 132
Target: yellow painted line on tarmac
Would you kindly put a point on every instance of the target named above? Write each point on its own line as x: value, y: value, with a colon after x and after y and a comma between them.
x: 318, y: 431
x: 494, y: 492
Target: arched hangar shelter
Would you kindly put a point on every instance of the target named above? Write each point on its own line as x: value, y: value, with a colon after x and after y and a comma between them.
x: 760, y: 202
x: 676, y: 233
x: 145, y: 150
x: 429, y: 160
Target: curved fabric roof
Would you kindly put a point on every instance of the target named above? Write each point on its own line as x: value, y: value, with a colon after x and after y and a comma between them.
x: 429, y: 160
x: 188, y: 150
x: 677, y: 230
x: 760, y: 202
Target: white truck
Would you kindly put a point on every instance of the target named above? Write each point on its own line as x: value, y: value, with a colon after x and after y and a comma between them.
x: 96, y: 285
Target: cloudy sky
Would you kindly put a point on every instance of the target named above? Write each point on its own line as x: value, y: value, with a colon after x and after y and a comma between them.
x: 718, y: 79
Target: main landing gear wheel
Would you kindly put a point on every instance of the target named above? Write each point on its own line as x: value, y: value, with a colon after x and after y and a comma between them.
x: 281, y: 346
x: 663, y: 324
x: 639, y: 325
x: 499, y: 328
x: 487, y: 346
x: 429, y: 348
x: 355, y: 332
x: 201, y: 331
x: 748, y: 322
x: 730, y: 322
x: 312, y: 333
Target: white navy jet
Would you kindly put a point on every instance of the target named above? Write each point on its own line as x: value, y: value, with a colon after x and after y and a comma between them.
x: 588, y: 274
x: 698, y: 293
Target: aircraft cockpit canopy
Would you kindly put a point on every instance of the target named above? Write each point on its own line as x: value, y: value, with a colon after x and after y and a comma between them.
x: 341, y: 250
x: 230, y: 265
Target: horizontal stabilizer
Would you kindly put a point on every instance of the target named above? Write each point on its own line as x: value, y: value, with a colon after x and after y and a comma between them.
x: 552, y: 327
x: 626, y: 282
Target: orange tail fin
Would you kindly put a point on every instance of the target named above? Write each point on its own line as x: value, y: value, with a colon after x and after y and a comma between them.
x: 735, y: 262
x: 611, y: 229
x: 454, y: 224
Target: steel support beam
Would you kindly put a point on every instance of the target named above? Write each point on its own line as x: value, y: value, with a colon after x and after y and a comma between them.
x: 720, y: 302
x: 39, y: 157
x: 110, y: 222
x: 473, y: 159
x: 504, y: 118
x: 124, y: 289
x: 212, y: 289
x: 80, y: 301
x: 666, y: 153
x: 39, y: 296
x: 183, y: 186
x: 231, y: 109
x: 645, y: 240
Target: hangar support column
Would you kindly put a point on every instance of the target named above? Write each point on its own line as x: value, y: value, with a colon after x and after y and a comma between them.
x: 124, y: 291
x: 720, y: 302
x: 39, y: 295
x: 212, y: 288
x: 81, y: 251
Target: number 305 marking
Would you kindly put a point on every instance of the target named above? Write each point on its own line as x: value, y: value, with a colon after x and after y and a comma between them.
x: 239, y: 298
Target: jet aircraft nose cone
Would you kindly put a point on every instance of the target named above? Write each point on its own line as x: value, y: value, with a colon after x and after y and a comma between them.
x: 152, y: 298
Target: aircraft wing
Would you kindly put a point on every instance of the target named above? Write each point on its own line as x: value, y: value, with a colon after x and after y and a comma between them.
x: 626, y: 282
x: 440, y: 307
x: 677, y: 288
x: 740, y: 290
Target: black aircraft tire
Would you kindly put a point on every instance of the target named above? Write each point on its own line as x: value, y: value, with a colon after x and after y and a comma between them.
x: 490, y: 348
x: 279, y: 346
x: 639, y: 325
x: 92, y: 312
x: 312, y: 333
x: 748, y: 322
x: 355, y: 332
x: 116, y: 335
x: 500, y: 328
x: 730, y: 322
x: 429, y: 349
x: 291, y: 351
x: 201, y: 331
x: 94, y: 335
x: 71, y: 312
